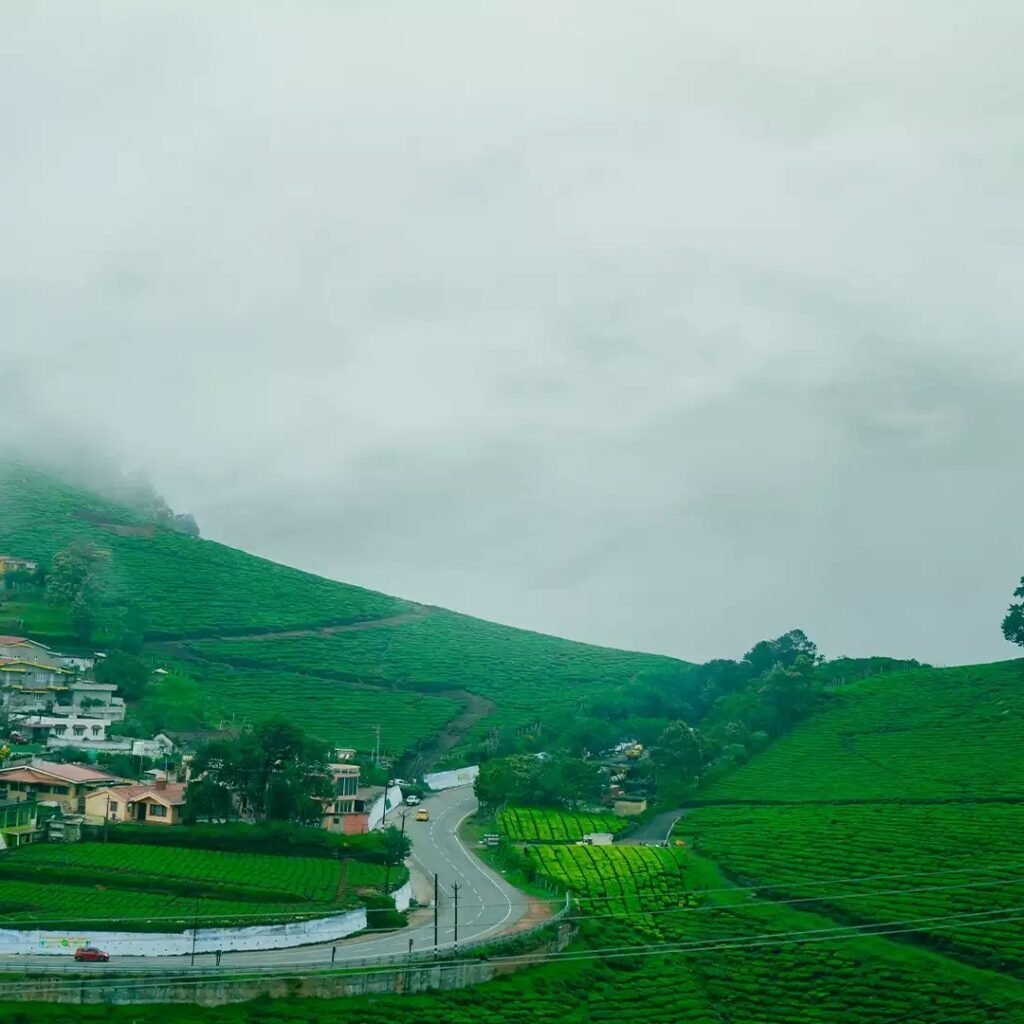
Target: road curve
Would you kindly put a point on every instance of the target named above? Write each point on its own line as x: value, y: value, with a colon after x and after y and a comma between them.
x: 488, y: 906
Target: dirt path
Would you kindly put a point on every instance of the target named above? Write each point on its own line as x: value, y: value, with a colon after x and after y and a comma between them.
x: 416, y: 614
x: 477, y: 708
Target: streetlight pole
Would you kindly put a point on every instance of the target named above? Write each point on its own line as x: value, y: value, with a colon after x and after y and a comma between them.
x: 435, y: 916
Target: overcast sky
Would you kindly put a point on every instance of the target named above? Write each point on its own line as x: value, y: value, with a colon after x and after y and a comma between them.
x: 668, y: 325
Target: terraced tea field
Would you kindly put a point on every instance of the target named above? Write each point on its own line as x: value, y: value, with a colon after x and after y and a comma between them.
x: 149, y: 884
x: 541, y: 825
x: 339, y: 713
x: 520, y: 671
x: 895, y: 863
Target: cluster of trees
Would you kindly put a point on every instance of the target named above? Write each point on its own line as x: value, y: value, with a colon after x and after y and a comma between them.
x: 540, y: 780
x: 697, y: 720
x: 73, y: 581
x: 274, y: 772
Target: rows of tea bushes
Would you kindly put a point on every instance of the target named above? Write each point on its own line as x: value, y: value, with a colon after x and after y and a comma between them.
x: 546, y: 825
x: 341, y: 713
x: 149, y: 884
x: 522, y: 672
x: 892, y: 862
x: 932, y: 733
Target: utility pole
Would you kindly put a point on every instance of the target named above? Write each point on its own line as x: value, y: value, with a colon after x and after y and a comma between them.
x: 435, y: 917
x: 455, y: 891
x: 195, y: 932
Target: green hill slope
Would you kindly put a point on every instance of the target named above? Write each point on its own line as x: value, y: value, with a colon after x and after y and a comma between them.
x: 909, y: 791
x: 263, y: 638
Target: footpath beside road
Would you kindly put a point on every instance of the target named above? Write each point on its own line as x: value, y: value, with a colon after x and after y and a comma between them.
x: 488, y: 907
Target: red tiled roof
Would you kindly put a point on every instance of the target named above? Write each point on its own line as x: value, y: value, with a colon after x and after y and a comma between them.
x: 172, y: 793
x: 13, y: 640
x: 67, y: 772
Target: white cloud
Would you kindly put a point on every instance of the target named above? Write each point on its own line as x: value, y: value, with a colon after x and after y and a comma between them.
x: 663, y: 324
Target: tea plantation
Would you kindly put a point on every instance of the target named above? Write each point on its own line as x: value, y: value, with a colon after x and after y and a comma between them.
x: 148, y: 888
x: 544, y: 825
x: 522, y: 672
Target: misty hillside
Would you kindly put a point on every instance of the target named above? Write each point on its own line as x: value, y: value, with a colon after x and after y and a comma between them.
x: 260, y: 637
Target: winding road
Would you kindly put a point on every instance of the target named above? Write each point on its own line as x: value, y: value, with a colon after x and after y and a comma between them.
x: 488, y: 906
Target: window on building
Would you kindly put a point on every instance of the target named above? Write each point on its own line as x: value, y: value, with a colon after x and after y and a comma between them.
x: 337, y: 821
x: 59, y: 789
x: 113, y: 807
x: 78, y: 730
x: 157, y: 811
x: 96, y: 730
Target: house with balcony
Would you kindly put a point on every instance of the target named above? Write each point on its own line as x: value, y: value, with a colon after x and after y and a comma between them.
x: 153, y: 803
x: 67, y: 785
x: 346, y: 811
x: 30, y: 686
x: 63, y: 732
x: 86, y: 699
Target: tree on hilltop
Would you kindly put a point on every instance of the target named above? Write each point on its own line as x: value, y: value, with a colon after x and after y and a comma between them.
x: 1013, y: 623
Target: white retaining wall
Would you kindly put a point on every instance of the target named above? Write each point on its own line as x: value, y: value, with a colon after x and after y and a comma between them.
x: 208, y: 940
x: 449, y: 780
x: 403, y: 896
x: 387, y: 801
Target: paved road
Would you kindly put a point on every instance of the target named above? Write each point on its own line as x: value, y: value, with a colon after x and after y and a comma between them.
x: 656, y: 830
x: 488, y: 905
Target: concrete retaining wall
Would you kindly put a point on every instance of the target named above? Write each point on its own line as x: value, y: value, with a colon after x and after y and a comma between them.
x: 207, y: 940
x: 215, y: 991
x: 449, y: 780
x: 387, y: 801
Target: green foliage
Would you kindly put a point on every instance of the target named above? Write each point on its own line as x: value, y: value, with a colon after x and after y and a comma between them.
x: 541, y: 825
x: 272, y: 837
x: 1013, y: 623
x: 128, y: 672
x: 541, y: 781
x: 678, y: 757
x: 274, y: 772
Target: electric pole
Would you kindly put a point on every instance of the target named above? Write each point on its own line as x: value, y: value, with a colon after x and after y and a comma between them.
x: 435, y: 917
x: 195, y: 932
x: 455, y: 891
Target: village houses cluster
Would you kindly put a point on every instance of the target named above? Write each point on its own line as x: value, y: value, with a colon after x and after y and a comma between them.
x: 52, y: 701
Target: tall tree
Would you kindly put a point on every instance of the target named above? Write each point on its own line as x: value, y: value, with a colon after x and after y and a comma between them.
x: 678, y: 758
x: 783, y: 650
x: 1013, y: 623
x: 275, y: 772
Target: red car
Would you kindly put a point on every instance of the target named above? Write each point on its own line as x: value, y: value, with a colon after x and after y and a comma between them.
x: 91, y: 953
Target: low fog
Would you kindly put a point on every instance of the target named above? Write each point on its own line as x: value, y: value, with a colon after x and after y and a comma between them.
x: 662, y: 325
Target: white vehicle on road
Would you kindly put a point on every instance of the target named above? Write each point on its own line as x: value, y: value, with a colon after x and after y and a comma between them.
x: 412, y: 799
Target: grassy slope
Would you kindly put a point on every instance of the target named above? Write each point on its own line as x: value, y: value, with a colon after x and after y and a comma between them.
x: 342, y: 684
x: 919, y: 775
